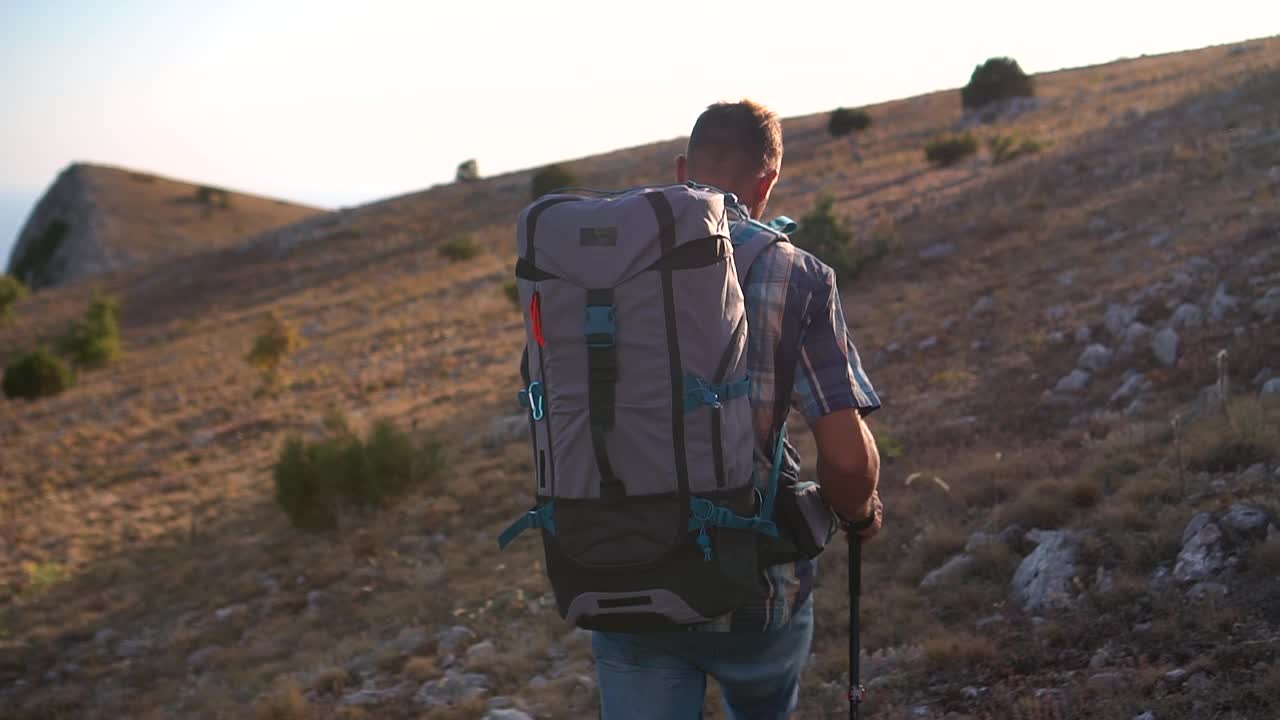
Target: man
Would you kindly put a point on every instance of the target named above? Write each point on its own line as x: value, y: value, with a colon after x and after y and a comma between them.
x: 798, y: 356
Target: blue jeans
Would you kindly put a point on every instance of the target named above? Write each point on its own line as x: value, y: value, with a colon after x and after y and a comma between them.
x: 652, y: 676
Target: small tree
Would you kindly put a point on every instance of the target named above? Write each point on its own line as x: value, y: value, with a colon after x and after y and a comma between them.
x: 276, y: 339
x: 551, y: 177
x: 950, y: 149
x: 468, y: 171
x: 37, y: 374
x: 844, y: 121
x: 94, y: 341
x: 998, y: 78
x: 11, y: 291
x: 829, y: 238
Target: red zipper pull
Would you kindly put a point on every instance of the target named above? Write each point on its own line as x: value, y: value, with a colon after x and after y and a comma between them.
x: 535, y: 316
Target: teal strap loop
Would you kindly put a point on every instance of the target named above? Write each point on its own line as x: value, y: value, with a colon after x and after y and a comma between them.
x: 706, y: 514
x: 699, y: 393
x: 538, y: 517
x: 771, y: 492
x: 784, y: 224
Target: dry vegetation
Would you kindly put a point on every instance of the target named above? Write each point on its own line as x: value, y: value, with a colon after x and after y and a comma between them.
x: 146, y: 571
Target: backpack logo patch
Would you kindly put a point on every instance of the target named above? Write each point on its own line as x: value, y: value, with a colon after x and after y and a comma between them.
x: 598, y: 237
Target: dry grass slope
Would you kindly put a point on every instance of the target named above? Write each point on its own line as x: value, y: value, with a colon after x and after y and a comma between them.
x: 146, y: 572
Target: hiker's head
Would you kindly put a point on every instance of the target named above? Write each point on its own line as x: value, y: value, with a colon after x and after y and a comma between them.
x: 736, y: 147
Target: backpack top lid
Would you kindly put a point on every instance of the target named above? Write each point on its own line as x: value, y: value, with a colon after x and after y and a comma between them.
x: 599, y: 242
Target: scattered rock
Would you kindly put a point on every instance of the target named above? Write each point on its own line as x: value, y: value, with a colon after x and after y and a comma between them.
x: 105, y: 637
x: 1106, y: 682
x: 1199, y: 265
x: 937, y: 251
x: 1255, y: 474
x: 1100, y: 659
x: 319, y: 600
x: 1103, y: 581
x: 1270, y: 387
x: 133, y: 648
x: 507, y: 714
x: 1044, y: 579
x: 1164, y: 344
x: 1074, y: 382
x: 928, y: 343
x: 482, y: 650
x: 1134, y: 384
x: 1118, y: 318
x: 1199, y: 682
x: 231, y: 612
x: 410, y: 641
x: 1176, y: 675
x: 1202, y: 590
x: 1084, y: 333
x: 952, y: 571
x: 1263, y: 376
x: 1160, y: 239
x: 1095, y: 357
x: 1202, y: 553
x: 1247, y: 520
x: 983, y: 306
x: 1135, y: 336
x: 371, y: 694
x: 454, y: 687
x: 1145, y: 715
x: 1269, y: 305
x: 201, y: 658
x: 454, y: 636
x: 1222, y: 303
x: 1186, y: 317
x: 1057, y: 313
x: 1067, y: 277
x: 980, y: 345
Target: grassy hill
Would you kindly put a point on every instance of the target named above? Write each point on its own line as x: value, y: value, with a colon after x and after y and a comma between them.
x: 95, y: 219
x: 147, y: 571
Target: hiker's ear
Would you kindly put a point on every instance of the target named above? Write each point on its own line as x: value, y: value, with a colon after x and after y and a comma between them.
x: 764, y: 186
x: 681, y: 169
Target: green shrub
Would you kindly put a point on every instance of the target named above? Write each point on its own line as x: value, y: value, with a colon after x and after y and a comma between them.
x: 468, y: 171
x: 276, y: 340
x: 889, y: 447
x: 996, y: 79
x: 94, y: 341
x: 460, y: 248
x: 844, y: 121
x: 11, y: 291
x: 551, y: 177
x: 830, y: 239
x: 1005, y: 148
x: 37, y: 374
x: 33, y: 265
x: 213, y: 197
x: 950, y: 149
x: 316, y: 481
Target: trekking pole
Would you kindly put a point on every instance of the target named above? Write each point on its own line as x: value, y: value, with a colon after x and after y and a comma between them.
x: 856, y: 691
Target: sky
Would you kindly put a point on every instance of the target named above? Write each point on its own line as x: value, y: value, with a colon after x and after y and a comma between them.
x: 340, y: 103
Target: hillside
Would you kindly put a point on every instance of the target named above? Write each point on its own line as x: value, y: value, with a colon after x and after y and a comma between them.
x: 1077, y: 526
x: 95, y: 219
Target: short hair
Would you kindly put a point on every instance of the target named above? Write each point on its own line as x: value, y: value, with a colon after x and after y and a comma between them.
x: 746, y: 133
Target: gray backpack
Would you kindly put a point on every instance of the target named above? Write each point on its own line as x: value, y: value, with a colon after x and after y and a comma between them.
x: 637, y: 393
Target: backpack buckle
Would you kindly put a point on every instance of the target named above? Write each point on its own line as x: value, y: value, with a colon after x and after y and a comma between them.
x: 601, y: 326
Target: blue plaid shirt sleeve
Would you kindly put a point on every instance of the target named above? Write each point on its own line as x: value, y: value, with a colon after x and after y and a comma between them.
x: 829, y: 374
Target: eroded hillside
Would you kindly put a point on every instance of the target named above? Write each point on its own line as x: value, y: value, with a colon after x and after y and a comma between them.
x: 1076, y: 526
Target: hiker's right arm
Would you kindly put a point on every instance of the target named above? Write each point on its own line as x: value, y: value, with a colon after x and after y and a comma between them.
x: 835, y: 395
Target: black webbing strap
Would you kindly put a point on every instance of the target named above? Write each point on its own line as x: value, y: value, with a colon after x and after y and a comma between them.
x: 602, y: 379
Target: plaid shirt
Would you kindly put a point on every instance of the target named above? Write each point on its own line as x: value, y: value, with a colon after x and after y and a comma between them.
x: 800, y: 357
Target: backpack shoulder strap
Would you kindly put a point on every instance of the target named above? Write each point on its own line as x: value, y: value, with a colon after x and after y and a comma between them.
x: 750, y: 241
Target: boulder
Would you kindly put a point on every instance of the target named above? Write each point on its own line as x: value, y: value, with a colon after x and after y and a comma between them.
x: 451, y: 689
x: 1095, y: 357
x: 1164, y: 344
x: 952, y: 572
x: 1135, y: 336
x: 1074, y: 382
x: 453, y: 637
x: 1249, y: 521
x: 1269, y: 305
x: 1118, y: 317
x: 1044, y: 579
x: 983, y: 306
x: 1133, y: 385
x: 1203, y: 553
x: 1222, y: 303
x: 1270, y: 387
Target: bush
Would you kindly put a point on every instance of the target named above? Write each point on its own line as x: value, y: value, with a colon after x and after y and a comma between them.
x: 316, y: 481
x: 996, y: 79
x: 1005, y: 148
x: 468, y: 171
x: 460, y: 248
x: 94, y: 341
x: 276, y: 340
x: 213, y: 197
x: 11, y: 291
x: 844, y: 121
x: 830, y: 239
x: 551, y: 177
x: 37, y: 374
x: 950, y: 149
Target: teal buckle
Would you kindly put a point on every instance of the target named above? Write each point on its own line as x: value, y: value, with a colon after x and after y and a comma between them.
x: 538, y: 517
x: 534, y: 399
x: 699, y: 393
x: 705, y: 514
x: 601, y: 326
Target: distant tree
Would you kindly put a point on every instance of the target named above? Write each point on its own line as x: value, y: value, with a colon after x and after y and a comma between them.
x: 998, y: 78
x: 829, y: 237
x: 844, y: 121
x: 551, y: 177
x: 210, y: 196
x: 11, y: 291
x: 468, y: 170
x: 276, y: 340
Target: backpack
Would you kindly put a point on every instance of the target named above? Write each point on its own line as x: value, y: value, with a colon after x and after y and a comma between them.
x: 637, y: 394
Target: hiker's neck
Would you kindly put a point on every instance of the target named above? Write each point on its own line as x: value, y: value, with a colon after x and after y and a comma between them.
x: 752, y: 191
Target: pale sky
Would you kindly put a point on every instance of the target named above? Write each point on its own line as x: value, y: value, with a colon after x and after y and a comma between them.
x: 339, y: 103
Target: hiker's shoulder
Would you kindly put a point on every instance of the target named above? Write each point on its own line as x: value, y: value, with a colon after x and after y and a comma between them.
x: 800, y: 265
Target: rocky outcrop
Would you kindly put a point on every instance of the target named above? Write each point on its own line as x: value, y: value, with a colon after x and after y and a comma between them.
x: 62, y: 240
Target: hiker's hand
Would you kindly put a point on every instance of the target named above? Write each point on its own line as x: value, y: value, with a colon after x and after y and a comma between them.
x: 872, y: 519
